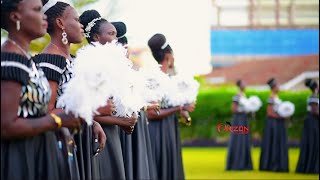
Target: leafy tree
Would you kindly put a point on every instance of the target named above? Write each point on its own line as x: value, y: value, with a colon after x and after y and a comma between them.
x: 81, y: 3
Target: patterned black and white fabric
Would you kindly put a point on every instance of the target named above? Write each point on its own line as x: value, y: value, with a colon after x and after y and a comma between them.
x: 239, y: 99
x: 57, y: 68
x: 66, y: 76
x: 275, y: 101
x: 312, y: 100
x: 35, y: 93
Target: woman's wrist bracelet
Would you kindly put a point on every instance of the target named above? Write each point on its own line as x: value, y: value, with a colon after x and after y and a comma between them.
x: 57, y: 120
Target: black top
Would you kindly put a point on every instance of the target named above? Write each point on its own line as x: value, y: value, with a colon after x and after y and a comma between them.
x: 53, y: 65
x: 275, y: 101
x: 57, y: 68
x: 15, y: 67
x: 35, y: 92
x: 313, y: 99
x: 238, y: 99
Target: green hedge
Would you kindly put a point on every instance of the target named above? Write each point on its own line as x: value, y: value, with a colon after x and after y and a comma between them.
x: 214, y: 107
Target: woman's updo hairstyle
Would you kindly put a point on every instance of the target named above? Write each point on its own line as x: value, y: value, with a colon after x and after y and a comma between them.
x: 311, y: 84
x: 159, y: 47
x: 91, y: 16
x: 121, y: 32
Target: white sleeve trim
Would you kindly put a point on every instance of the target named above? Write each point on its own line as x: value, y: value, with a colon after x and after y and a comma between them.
x: 51, y: 66
x: 313, y: 100
x: 17, y: 65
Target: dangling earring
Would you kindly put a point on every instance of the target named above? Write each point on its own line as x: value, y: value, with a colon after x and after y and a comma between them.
x: 18, y: 25
x: 64, y: 37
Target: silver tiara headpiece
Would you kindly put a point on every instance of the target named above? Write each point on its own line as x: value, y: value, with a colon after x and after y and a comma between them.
x: 90, y: 26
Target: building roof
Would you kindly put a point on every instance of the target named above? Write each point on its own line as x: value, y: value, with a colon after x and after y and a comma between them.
x: 258, y: 72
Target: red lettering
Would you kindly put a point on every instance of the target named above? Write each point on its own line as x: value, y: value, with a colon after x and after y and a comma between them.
x: 229, y: 128
x: 240, y: 128
x: 235, y: 129
x: 246, y: 129
x: 219, y: 126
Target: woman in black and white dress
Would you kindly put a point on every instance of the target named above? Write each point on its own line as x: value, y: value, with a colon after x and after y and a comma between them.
x: 239, y: 152
x: 136, y: 148
x: 111, y: 161
x: 163, y: 127
x: 28, y: 140
x: 274, y: 148
x: 309, y: 146
x: 64, y: 28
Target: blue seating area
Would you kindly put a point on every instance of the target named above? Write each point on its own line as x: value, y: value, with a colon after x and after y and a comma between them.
x: 279, y: 42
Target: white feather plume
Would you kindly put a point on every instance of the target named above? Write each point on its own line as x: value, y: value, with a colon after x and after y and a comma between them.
x: 182, y: 90
x: 254, y: 104
x: 244, y: 105
x: 286, y: 109
x: 155, y: 83
x: 102, y: 72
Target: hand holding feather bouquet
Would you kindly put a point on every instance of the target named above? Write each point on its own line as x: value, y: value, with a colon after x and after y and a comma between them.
x: 182, y: 91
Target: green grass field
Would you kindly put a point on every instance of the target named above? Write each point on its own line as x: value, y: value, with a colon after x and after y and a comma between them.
x: 209, y: 163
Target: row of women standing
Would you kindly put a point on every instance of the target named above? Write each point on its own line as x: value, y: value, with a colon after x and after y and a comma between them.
x: 274, y: 149
x: 39, y: 140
